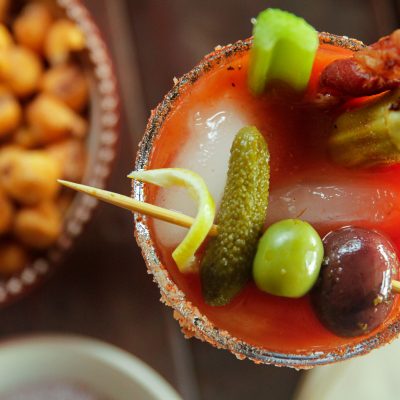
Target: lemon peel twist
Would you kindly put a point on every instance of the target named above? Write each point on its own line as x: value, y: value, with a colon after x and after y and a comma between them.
x: 183, y: 255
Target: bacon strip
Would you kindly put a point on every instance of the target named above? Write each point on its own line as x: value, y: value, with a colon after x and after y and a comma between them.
x: 369, y: 71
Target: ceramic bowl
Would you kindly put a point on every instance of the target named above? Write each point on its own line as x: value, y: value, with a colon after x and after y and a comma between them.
x: 111, y: 373
x: 101, y: 147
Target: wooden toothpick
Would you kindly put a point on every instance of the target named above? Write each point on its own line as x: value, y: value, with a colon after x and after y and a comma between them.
x: 141, y: 207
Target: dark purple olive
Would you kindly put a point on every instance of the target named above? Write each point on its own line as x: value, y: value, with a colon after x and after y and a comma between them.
x: 353, y: 292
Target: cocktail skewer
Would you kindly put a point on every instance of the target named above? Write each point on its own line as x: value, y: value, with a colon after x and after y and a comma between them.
x: 130, y: 204
x: 151, y: 210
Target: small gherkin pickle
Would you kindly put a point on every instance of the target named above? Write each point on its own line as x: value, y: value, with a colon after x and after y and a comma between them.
x: 369, y: 135
x: 226, y: 266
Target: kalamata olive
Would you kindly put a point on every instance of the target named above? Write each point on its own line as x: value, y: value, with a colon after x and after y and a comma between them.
x: 353, y: 292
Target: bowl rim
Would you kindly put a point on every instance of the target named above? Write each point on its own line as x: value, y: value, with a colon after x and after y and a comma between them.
x: 81, y: 208
x: 191, y: 320
x: 113, y: 357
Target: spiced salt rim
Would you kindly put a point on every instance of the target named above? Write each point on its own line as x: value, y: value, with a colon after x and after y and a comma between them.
x: 193, y: 323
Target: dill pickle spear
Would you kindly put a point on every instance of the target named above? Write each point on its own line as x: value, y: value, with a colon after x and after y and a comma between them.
x: 227, y: 262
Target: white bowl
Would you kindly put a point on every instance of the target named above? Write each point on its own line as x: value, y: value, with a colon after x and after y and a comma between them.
x: 105, y: 369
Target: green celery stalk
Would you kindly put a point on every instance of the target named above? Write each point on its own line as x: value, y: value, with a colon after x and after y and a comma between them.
x: 284, y: 48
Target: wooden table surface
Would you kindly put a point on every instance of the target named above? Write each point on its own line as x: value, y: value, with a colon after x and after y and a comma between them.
x: 103, y: 289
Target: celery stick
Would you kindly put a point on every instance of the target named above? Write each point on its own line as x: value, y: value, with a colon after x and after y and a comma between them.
x: 284, y: 49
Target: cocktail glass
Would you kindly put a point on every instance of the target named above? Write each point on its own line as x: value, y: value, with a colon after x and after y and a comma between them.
x: 191, y: 320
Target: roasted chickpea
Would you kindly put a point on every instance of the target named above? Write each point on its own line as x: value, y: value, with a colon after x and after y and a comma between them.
x: 43, y: 93
x: 10, y: 112
x: 29, y: 177
x: 4, y: 6
x: 7, y: 155
x: 63, y: 38
x: 71, y: 156
x: 31, y: 26
x: 13, y: 258
x: 52, y: 120
x: 68, y: 83
x: 38, y: 227
x: 25, y: 138
x: 6, y: 40
x: 6, y: 213
x: 20, y: 70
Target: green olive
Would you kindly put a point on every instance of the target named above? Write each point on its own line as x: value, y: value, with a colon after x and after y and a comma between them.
x: 288, y: 258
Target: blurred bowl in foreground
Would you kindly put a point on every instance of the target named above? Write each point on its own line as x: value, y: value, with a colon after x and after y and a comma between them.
x: 72, y: 361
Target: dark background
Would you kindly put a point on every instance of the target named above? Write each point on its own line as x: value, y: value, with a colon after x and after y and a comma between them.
x: 103, y: 289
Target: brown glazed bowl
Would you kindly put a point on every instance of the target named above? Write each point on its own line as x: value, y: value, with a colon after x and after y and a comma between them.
x: 101, y: 148
x: 192, y: 322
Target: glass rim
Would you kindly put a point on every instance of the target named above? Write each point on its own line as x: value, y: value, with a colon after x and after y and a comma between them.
x: 191, y: 320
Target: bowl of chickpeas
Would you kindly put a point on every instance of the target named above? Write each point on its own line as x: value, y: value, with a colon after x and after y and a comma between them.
x: 58, y: 120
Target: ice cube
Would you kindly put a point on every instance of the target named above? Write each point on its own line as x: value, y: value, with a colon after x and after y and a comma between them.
x: 341, y: 200
x: 212, y: 130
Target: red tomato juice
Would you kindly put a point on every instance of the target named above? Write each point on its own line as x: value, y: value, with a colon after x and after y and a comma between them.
x: 296, y: 132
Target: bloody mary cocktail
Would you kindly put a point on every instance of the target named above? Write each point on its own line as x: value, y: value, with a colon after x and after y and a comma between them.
x: 193, y: 128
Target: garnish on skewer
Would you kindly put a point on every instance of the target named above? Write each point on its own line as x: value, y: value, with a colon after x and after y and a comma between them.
x: 226, y: 265
x: 354, y: 292
x: 141, y: 207
x: 372, y: 70
x: 288, y: 258
x: 151, y: 210
x: 369, y: 135
x: 183, y: 255
x: 199, y: 227
x: 284, y: 48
